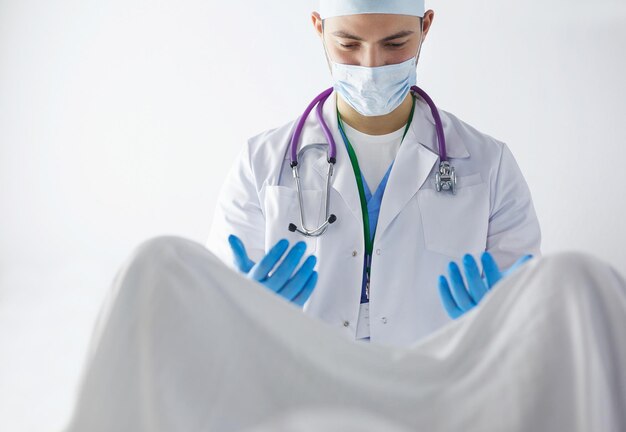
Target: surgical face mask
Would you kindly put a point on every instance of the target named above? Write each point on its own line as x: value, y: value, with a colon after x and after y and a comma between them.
x: 374, y: 91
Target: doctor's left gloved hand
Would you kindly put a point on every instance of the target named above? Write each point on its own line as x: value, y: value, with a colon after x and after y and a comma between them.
x: 456, y: 297
x: 296, y: 287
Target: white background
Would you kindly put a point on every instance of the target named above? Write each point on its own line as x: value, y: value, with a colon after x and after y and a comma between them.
x: 118, y: 121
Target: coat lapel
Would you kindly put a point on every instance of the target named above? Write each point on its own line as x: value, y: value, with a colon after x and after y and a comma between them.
x: 417, y: 157
x: 412, y: 165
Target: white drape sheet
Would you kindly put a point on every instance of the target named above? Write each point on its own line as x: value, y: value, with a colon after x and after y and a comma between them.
x: 185, y: 344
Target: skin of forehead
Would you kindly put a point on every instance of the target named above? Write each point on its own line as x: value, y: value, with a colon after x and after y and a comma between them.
x: 372, y: 27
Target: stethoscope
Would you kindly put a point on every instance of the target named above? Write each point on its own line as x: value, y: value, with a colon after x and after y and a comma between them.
x: 445, y: 179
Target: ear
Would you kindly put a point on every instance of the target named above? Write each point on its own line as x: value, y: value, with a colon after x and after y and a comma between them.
x: 427, y: 21
x: 317, y: 23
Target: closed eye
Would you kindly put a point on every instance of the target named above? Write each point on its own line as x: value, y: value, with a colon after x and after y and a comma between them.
x: 393, y: 45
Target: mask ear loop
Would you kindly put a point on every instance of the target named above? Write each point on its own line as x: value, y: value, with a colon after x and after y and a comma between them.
x: 330, y: 68
x: 419, y: 52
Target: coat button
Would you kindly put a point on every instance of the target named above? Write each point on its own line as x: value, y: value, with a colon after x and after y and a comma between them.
x: 377, y: 251
x: 384, y: 320
x: 354, y: 253
x: 346, y: 323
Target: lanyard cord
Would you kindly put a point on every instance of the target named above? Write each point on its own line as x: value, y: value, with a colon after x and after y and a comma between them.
x: 369, y: 243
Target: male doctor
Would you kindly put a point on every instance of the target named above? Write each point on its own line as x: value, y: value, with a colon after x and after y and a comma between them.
x: 386, y: 289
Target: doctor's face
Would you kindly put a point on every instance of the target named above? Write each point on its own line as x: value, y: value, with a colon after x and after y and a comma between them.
x: 371, y: 39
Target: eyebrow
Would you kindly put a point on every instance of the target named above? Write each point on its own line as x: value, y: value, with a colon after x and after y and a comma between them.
x: 346, y: 35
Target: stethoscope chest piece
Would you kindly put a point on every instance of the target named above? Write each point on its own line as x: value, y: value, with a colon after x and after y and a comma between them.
x: 446, y: 178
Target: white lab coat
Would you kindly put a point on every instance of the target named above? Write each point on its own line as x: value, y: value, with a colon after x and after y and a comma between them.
x: 419, y: 229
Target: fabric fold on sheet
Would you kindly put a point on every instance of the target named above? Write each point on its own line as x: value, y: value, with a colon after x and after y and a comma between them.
x: 184, y: 343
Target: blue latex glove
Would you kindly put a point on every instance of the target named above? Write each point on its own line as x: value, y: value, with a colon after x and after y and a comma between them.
x: 456, y: 297
x: 296, y: 288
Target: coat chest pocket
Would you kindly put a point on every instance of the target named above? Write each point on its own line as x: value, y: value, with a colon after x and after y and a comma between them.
x: 456, y: 224
x: 282, y: 209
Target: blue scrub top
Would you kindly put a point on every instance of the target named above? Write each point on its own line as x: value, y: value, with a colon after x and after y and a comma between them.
x: 374, y: 202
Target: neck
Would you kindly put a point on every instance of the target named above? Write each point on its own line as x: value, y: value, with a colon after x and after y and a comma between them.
x: 375, y: 125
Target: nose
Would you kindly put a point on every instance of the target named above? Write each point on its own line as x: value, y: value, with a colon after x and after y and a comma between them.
x: 371, y: 57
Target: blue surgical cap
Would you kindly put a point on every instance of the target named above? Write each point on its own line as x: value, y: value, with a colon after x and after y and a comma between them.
x: 333, y: 8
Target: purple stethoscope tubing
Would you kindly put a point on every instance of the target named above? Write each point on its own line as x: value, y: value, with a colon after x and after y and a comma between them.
x: 445, y: 177
x: 318, y: 103
x: 441, y: 139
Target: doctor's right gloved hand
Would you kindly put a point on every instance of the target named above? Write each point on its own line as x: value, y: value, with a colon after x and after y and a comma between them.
x: 295, y: 287
x: 456, y: 297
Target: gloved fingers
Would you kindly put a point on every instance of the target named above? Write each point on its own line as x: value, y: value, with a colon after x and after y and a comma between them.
x: 517, y: 264
x: 262, y: 269
x: 283, y: 272
x: 306, y: 292
x: 490, y: 267
x: 459, y: 291
x: 292, y: 288
x: 448, y: 301
x: 477, y: 287
x: 242, y: 262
